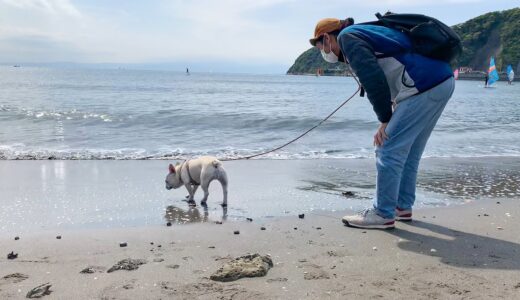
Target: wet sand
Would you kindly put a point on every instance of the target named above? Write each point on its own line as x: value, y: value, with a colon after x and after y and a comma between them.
x: 462, y: 252
x: 41, y: 195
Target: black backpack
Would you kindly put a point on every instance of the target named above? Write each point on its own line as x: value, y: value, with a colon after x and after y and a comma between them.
x: 430, y: 37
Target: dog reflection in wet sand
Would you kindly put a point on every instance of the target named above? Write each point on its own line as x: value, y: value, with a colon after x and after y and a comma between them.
x: 178, y: 215
x: 197, y: 172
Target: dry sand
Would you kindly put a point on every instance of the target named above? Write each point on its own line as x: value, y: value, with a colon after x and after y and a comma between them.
x: 470, y: 251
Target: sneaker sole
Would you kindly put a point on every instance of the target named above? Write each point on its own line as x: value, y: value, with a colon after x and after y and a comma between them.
x: 403, y: 219
x: 382, y: 226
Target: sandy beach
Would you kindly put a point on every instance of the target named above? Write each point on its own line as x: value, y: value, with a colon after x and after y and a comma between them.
x: 467, y: 251
x: 464, y: 252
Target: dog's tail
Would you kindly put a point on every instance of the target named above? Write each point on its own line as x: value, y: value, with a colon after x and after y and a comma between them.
x: 216, y: 163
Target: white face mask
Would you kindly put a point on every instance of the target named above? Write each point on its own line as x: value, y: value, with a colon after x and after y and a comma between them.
x: 329, y: 57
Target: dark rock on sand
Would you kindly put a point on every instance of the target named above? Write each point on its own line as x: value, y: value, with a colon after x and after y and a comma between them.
x: 39, y: 291
x: 123, y: 244
x: 58, y: 237
x: 16, y: 238
x: 348, y: 194
x: 301, y: 216
x: 169, y: 224
x: 249, y: 219
x: 128, y: 264
x: 91, y: 269
x: 252, y: 265
x: 236, y: 232
x: 12, y: 255
x: 262, y: 228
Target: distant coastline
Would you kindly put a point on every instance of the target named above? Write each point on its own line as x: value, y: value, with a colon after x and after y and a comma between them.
x: 473, y: 76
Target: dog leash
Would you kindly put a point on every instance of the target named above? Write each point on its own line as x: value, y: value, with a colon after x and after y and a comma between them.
x: 298, y: 137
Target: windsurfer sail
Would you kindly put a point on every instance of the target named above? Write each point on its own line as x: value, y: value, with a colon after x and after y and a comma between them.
x: 492, y: 72
x: 510, y: 74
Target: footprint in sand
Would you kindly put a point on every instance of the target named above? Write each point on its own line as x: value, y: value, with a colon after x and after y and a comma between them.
x: 314, y: 272
x: 208, y: 290
x: 13, y: 278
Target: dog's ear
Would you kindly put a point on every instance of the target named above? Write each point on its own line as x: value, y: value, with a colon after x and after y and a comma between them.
x: 171, y: 168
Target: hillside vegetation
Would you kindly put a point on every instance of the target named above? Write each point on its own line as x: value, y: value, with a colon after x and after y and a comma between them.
x: 492, y: 34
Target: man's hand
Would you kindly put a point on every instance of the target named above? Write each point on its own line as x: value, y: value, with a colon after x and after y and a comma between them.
x: 380, y: 135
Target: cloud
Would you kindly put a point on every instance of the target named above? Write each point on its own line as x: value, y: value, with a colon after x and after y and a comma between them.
x: 204, y: 31
x: 56, y: 7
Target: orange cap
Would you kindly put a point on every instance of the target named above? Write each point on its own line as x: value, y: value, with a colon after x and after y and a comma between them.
x: 325, y: 26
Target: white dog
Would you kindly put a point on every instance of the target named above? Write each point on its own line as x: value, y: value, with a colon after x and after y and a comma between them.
x: 194, y: 172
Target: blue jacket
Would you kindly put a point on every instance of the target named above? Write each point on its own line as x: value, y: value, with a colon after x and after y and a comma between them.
x: 388, y: 70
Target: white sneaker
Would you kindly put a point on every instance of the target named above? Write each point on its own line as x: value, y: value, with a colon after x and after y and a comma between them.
x: 368, y: 219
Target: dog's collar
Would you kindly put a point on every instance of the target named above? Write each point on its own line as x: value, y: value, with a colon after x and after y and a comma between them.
x: 192, y: 181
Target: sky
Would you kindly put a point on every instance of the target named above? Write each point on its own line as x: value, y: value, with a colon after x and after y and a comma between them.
x: 207, y: 35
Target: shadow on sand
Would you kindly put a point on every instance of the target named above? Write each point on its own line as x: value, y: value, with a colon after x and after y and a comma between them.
x: 460, y: 249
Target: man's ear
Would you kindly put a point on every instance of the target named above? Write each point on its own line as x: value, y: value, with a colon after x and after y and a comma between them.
x: 171, y: 168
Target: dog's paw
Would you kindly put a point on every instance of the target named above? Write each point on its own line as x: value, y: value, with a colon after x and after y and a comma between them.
x: 192, y: 203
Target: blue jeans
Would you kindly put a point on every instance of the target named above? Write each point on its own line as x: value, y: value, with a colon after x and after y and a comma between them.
x: 397, y: 160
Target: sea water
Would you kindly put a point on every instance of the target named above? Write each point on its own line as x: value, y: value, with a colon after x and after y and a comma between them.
x: 50, y: 113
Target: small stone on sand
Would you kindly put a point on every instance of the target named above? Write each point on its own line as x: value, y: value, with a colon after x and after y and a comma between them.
x: 91, y: 270
x: 301, y: 216
x: 348, y: 194
x: 58, y: 237
x: 12, y: 255
x: 16, y: 238
x: 157, y: 260
x: 169, y: 224
x: 236, y: 232
x: 39, y: 291
x: 262, y: 228
x: 374, y: 248
x: 123, y: 244
x: 251, y: 265
x: 249, y: 219
x: 218, y: 222
x: 433, y: 250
